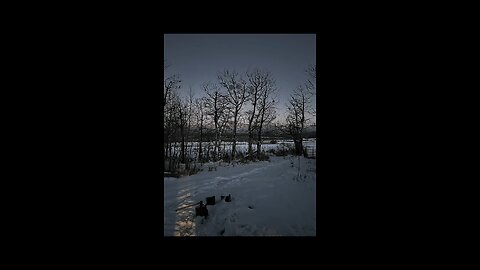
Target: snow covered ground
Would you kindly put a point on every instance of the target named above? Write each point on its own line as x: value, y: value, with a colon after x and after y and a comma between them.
x: 269, y: 198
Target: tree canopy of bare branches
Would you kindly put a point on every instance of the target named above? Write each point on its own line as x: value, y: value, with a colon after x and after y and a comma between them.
x: 170, y: 83
x: 311, y: 83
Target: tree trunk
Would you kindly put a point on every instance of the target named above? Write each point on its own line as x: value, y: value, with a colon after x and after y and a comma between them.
x: 250, y: 142
x: 298, y: 146
x: 250, y: 128
x: 234, y: 144
x: 259, y: 145
x: 170, y: 152
x: 259, y: 142
x: 216, y: 147
x: 166, y: 146
x: 208, y: 151
x: 188, y: 146
x: 182, y: 146
x: 200, y: 143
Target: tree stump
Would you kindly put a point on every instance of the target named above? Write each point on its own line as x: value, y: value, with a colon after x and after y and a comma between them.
x: 211, y: 200
x: 201, y: 210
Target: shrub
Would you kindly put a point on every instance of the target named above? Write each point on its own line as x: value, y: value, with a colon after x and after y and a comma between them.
x: 227, y: 158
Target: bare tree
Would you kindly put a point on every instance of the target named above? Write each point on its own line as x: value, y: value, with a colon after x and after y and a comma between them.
x: 266, y: 107
x: 257, y: 81
x: 189, y: 112
x: 297, y: 116
x: 200, y: 117
x: 183, y: 116
x: 236, y: 95
x: 225, y: 120
x: 170, y: 105
x: 172, y: 114
x: 217, y: 108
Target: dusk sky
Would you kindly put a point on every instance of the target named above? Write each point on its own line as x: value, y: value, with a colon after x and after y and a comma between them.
x: 197, y: 58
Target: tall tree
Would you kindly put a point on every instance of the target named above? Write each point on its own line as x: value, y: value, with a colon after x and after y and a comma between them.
x: 297, y: 116
x: 172, y: 124
x: 217, y: 109
x: 257, y: 81
x: 236, y: 88
x: 200, y: 117
x: 170, y: 106
x: 183, y: 117
x: 189, y: 113
x: 266, y: 107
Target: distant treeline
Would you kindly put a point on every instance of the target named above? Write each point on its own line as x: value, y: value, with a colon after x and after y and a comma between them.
x: 243, y: 137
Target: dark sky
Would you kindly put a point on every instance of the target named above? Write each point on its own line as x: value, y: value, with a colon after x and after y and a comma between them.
x: 198, y: 58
